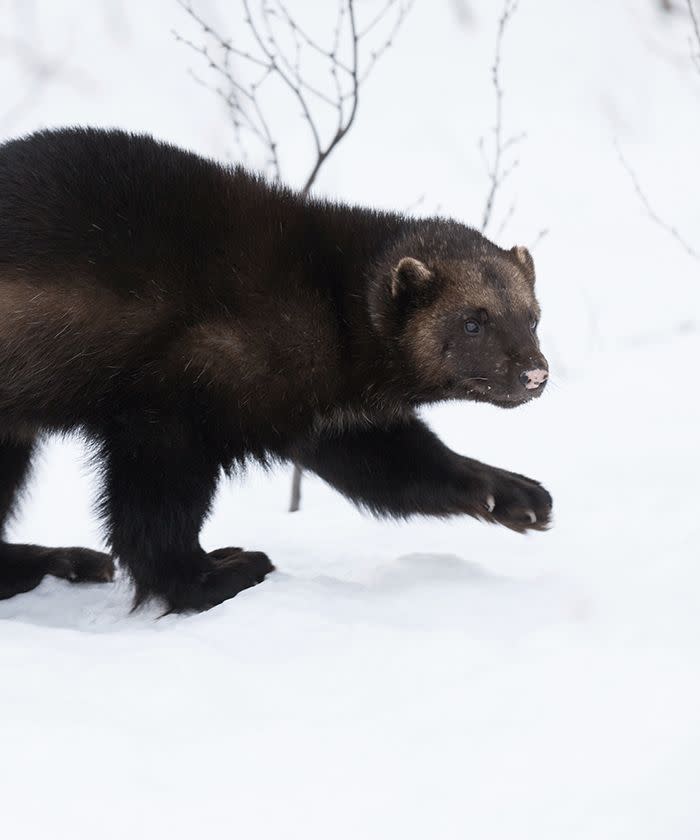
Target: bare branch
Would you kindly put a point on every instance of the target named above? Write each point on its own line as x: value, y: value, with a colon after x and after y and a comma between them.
x: 381, y: 14
x: 226, y: 46
x: 314, y: 45
x: 653, y: 215
x: 378, y: 53
x: 670, y: 229
x: 343, y: 126
x: 504, y: 223
x: 240, y: 99
x: 498, y: 167
x: 272, y: 25
x: 540, y: 236
x: 293, y: 68
x: 279, y: 70
x: 411, y: 208
x: 295, y: 496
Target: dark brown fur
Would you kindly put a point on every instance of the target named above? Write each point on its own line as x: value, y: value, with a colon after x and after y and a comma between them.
x: 187, y: 317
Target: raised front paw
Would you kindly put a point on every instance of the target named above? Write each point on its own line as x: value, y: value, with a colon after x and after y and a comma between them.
x: 509, y: 499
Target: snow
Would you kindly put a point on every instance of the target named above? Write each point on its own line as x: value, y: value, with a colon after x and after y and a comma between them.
x: 423, y: 679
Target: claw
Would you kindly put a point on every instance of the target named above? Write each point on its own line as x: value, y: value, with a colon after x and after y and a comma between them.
x: 490, y: 503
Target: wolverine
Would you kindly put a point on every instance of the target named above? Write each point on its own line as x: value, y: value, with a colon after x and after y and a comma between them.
x: 187, y: 317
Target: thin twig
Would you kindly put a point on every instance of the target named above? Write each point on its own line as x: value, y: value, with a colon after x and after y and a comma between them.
x: 540, y: 236
x: 411, y: 208
x: 506, y: 218
x: 346, y: 73
x: 653, y: 215
x: 378, y: 53
x: 381, y: 14
x: 498, y: 168
x: 311, y: 43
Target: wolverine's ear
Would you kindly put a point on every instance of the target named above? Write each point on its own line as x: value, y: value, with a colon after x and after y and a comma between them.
x: 524, y: 258
x: 410, y: 282
x: 409, y: 273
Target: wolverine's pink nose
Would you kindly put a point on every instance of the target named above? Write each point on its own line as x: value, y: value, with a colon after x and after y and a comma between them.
x: 532, y: 379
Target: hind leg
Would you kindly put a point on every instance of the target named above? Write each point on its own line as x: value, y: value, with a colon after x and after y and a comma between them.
x: 158, y: 492
x: 22, y: 567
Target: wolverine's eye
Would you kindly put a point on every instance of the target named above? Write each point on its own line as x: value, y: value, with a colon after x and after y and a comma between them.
x: 533, y: 324
x: 472, y: 327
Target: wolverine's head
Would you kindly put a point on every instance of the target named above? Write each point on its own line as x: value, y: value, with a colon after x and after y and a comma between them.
x: 461, y: 314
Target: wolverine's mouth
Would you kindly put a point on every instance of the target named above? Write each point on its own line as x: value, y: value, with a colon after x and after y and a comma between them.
x: 481, y: 390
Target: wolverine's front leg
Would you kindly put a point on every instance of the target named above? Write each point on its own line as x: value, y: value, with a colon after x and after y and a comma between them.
x: 403, y: 469
x: 157, y: 494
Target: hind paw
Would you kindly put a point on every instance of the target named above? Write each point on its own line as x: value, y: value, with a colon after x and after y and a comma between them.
x: 82, y: 565
x: 227, y: 572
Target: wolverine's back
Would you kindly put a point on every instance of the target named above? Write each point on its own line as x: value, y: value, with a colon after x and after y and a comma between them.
x: 102, y: 234
x: 107, y: 208
x: 123, y: 262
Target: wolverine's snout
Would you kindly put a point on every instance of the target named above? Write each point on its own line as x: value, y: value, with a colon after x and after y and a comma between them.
x: 532, y: 379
